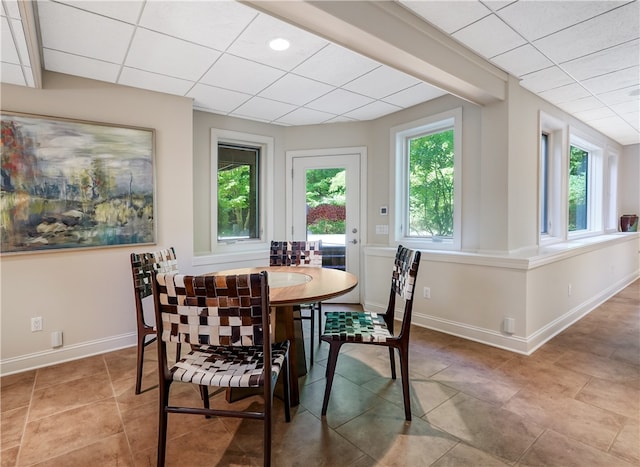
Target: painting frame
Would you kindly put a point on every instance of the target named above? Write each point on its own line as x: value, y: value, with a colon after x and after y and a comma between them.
x: 69, y: 184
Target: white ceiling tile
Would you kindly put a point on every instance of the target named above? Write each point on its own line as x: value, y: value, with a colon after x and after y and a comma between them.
x: 335, y: 65
x: 633, y: 119
x: 414, y: 95
x: 374, y: 110
x: 620, y: 96
x: 8, y: 47
x: 594, y: 114
x: 216, y: 99
x: 296, y: 90
x: 151, y: 51
x: 623, y: 131
x: 496, y: 5
x: 154, y: 81
x: 592, y: 35
x: 580, y: 105
x: 570, y: 92
x: 536, y: 19
x: 605, y: 61
x: 80, y: 66
x: 522, y: 60
x: 630, y: 106
x: 448, y: 15
x: 612, y: 81
x: 549, y: 78
x: 71, y: 30
x: 128, y: 10
x: 253, y: 43
x: 239, y: 74
x: 489, y: 37
x: 11, y: 7
x: 304, y: 116
x: 381, y: 82
x: 11, y: 73
x: 214, y: 24
x: 264, y: 109
x: 341, y: 119
x: 339, y: 102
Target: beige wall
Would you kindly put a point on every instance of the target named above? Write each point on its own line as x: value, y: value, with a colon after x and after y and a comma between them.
x: 88, y: 293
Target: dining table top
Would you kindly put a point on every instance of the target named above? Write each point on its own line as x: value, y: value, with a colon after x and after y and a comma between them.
x: 301, y: 284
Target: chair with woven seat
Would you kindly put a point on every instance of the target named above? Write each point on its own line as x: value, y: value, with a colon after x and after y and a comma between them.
x: 304, y: 254
x: 225, y: 320
x: 350, y: 327
x: 142, y: 267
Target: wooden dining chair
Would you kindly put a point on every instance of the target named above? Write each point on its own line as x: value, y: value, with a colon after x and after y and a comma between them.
x: 225, y: 320
x: 143, y: 265
x: 304, y: 254
x: 352, y: 327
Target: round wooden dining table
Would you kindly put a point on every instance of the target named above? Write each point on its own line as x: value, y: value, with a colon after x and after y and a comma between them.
x: 294, y: 285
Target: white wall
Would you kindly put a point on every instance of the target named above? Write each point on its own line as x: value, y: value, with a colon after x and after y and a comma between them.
x: 88, y: 294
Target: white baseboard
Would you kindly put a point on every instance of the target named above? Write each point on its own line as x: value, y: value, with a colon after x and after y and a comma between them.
x: 66, y: 353
x: 512, y: 343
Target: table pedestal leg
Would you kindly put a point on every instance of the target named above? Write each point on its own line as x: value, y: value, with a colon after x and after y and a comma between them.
x: 285, y: 329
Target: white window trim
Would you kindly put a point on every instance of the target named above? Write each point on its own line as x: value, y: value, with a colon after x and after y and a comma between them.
x: 595, y: 187
x: 398, y: 182
x: 611, y: 191
x: 266, y: 145
x: 558, y: 148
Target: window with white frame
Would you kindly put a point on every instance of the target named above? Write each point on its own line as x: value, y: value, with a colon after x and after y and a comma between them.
x: 611, y: 198
x: 426, y: 181
x: 551, y: 179
x: 585, y: 187
x: 242, y: 166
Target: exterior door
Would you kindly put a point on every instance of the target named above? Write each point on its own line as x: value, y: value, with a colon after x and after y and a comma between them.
x: 326, y: 204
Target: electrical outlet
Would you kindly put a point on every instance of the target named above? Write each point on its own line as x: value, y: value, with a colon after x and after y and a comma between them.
x: 426, y: 292
x: 36, y: 324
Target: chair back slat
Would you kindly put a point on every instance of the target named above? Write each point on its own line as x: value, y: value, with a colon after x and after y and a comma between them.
x: 143, y: 265
x: 403, y: 284
x: 212, y: 310
x: 296, y: 253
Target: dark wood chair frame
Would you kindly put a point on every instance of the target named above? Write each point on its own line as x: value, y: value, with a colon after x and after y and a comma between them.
x: 403, y: 270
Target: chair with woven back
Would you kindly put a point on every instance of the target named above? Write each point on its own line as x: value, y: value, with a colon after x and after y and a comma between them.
x: 352, y: 327
x: 225, y: 320
x: 143, y: 265
x: 303, y: 254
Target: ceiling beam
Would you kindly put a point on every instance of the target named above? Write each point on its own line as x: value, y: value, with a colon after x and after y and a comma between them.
x: 30, y: 28
x: 388, y: 33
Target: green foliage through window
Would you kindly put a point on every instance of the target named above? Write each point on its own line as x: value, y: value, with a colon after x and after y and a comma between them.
x: 431, y: 185
x: 578, y: 188
x: 326, y: 198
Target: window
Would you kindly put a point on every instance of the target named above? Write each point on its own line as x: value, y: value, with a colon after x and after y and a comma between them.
x: 578, y: 188
x: 611, y: 200
x: 427, y: 181
x: 242, y: 165
x: 238, y: 192
x: 585, y: 187
x: 544, y: 183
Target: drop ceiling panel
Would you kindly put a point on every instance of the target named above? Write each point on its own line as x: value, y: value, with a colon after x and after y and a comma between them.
x: 374, y: 110
x: 12, y: 74
x: 613, y: 81
x: 304, y: 116
x: 489, y: 37
x: 607, y: 30
x: 217, y: 99
x: 128, y: 11
x: 154, y: 82
x: 339, y: 101
x: 12, y: 9
x: 335, y: 65
x: 214, y: 24
x: 253, y: 43
x: 580, y: 105
x: 549, y: 78
x: 81, y: 33
x: 567, y: 93
x: 414, y: 95
x: 450, y: 16
x: 295, y: 90
x: 8, y: 47
x: 522, y: 60
x: 151, y: 51
x: 381, y: 82
x: 80, y: 66
x: 239, y: 74
x: 540, y: 18
x: 263, y: 109
x: 605, y: 61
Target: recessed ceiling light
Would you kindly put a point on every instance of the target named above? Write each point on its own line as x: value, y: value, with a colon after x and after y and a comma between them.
x: 279, y: 44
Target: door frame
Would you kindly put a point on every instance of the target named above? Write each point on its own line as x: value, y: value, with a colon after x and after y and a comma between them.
x: 361, y: 151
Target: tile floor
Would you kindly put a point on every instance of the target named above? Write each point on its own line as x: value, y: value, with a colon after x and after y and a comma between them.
x: 574, y: 402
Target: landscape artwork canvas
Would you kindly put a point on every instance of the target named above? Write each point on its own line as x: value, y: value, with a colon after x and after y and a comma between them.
x: 73, y: 184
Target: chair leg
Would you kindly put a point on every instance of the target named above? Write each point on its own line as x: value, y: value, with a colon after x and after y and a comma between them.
x: 404, y: 371
x: 392, y: 360
x: 334, y: 350
x: 204, y: 395
x: 162, y: 422
x: 268, y: 405
x: 285, y: 388
x: 311, y: 334
x: 139, y: 363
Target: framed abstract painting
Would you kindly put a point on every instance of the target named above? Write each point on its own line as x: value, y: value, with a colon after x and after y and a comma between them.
x: 74, y: 184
